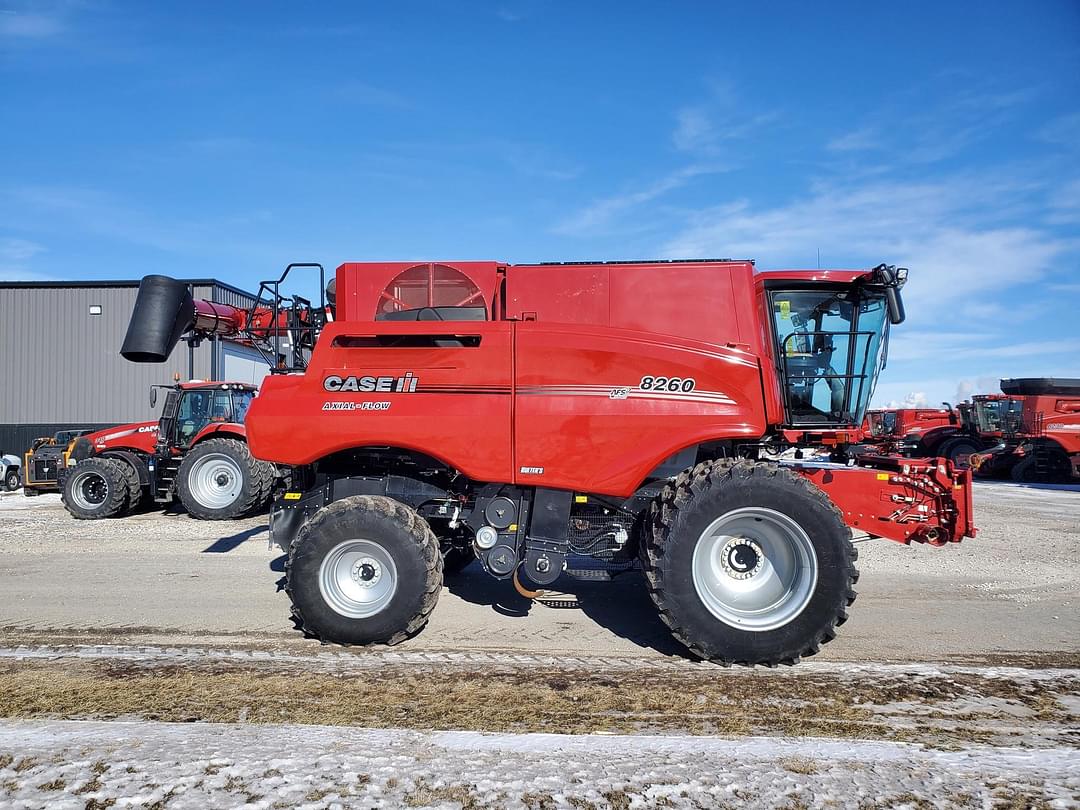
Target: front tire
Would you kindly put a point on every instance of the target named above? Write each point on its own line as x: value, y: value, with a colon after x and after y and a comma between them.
x: 219, y: 479
x: 959, y: 452
x: 749, y: 563
x: 11, y: 480
x: 364, y: 570
x: 96, y: 488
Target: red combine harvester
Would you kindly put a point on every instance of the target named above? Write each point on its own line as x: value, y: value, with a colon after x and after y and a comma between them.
x: 1040, y: 439
x: 694, y: 415
x: 977, y: 425
x: 197, y: 452
x: 890, y: 428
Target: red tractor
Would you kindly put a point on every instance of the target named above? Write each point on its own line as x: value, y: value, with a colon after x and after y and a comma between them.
x: 690, y: 417
x: 1040, y: 441
x: 196, y: 452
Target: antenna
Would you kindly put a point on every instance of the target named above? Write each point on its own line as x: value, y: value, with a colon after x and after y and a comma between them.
x: 819, y: 258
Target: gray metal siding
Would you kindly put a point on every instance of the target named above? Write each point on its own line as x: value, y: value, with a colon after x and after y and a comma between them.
x: 59, y: 364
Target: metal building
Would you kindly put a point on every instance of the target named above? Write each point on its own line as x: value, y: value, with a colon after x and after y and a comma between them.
x: 60, y: 363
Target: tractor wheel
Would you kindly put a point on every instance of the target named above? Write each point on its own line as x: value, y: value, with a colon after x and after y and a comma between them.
x: 364, y: 570
x: 11, y: 480
x: 96, y: 488
x: 959, y: 451
x: 749, y: 563
x: 134, y: 486
x: 219, y: 479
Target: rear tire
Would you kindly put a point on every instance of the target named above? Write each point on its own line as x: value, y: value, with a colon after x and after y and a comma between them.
x: 749, y: 563
x: 96, y: 488
x: 364, y: 570
x: 11, y: 480
x: 134, y: 486
x: 219, y: 479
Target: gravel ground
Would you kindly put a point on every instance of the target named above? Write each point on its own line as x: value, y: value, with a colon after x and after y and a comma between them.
x: 89, y: 765
x: 100, y: 608
x: 1013, y: 591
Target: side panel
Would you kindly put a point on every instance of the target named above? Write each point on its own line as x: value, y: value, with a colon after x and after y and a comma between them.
x: 588, y: 415
x: 455, y: 405
x: 1058, y: 417
x: 140, y: 436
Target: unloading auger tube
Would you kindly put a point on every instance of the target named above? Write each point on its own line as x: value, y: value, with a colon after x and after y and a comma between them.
x: 698, y: 419
x: 165, y: 311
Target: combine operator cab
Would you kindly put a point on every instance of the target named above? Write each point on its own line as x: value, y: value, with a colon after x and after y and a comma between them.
x: 831, y: 347
x: 695, y: 419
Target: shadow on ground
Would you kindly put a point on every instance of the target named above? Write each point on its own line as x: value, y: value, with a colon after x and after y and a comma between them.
x: 225, y: 544
x: 622, y: 605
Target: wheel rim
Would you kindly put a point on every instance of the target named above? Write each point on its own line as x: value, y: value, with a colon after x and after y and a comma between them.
x: 215, y: 481
x: 89, y: 490
x: 755, y: 569
x: 358, y: 578
x: 962, y: 458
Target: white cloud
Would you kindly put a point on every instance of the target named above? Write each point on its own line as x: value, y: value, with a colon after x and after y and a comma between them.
x: 957, y: 255
x: 914, y: 399
x: 856, y: 141
x: 1062, y: 131
x: 14, y: 257
x: 600, y: 214
x: 29, y: 25
x: 694, y: 129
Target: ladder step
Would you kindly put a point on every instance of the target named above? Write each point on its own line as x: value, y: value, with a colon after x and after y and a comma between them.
x: 588, y: 573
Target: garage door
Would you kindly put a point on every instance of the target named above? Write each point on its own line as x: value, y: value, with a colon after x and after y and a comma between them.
x: 242, y: 363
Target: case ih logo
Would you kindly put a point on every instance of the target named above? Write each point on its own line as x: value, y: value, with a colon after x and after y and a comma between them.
x: 382, y: 385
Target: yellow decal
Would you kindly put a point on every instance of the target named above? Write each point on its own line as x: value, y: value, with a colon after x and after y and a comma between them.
x: 785, y: 310
x: 581, y: 499
x: 513, y: 527
x: 292, y: 496
x: 882, y: 476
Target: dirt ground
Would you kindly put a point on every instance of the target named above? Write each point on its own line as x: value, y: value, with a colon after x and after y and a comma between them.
x: 151, y: 661
x: 1010, y: 595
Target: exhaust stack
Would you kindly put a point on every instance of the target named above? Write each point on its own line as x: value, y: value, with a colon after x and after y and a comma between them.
x: 164, y: 310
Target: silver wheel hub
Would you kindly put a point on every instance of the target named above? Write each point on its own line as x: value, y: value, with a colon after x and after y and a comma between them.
x: 358, y: 578
x: 367, y: 572
x: 755, y: 569
x: 741, y: 558
x: 215, y: 481
x: 89, y: 490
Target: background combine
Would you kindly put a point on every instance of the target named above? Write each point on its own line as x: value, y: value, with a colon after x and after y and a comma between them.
x: 696, y: 416
x: 1041, y: 440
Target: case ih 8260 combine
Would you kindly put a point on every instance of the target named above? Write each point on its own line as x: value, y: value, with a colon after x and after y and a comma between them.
x: 695, y: 415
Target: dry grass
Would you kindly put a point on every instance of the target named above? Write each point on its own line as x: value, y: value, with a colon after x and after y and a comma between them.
x: 799, y: 765
x: 558, y: 701
x: 424, y: 794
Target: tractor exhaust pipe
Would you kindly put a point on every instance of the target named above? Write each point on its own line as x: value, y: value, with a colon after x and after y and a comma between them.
x: 164, y: 310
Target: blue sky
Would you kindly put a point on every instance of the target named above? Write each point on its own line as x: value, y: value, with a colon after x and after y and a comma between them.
x: 226, y: 139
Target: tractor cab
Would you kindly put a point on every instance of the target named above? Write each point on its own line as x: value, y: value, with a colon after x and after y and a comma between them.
x: 881, y: 423
x: 996, y: 414
x: 190, y: 408
x: 831, y: 341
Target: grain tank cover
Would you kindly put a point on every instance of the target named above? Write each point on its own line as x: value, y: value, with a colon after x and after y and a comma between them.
x: 1034, y: 386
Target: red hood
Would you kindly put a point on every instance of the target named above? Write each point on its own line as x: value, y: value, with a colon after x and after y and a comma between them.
x: 141, y: 435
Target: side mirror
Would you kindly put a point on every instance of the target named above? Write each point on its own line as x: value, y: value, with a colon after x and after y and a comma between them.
x: 153, y: 397
x: 892, y: 279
